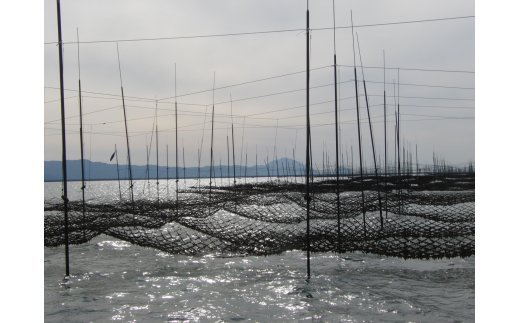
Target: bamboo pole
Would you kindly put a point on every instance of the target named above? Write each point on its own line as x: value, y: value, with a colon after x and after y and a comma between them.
x: 157, y: 151
x: 211, y: 146
x: 233, y: 140
x: 359, y: 135
x: 384, y: 118
x: 337, y: 130
x: 227, y: 142
x: 307, y: 158
x: 176, y: 145
x: 398, y: 145
x: 167, y: 175
x: 83, y: 186
x: 371, y: 137
x: 184, y: 166
x: 118, y: 178
x: 63, y: 143
x: 275, y: 152
x: 131, y: 187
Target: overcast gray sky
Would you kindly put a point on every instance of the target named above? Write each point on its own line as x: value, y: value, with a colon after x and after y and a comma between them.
x: 437, y: 108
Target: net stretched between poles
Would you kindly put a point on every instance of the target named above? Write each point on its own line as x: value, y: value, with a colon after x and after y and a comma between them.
x: 424, y: 217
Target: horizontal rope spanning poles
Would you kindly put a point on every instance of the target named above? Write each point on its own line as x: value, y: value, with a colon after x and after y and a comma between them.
x: 134, y: 98
x: 331, y: 84
x: 257, y: 126
x: 263, y: 32
x: 199, y: 124
x: 251, y: 116
x: 119, y: 106
x: 245, y: 82
x: 59, y: 99
x: 260, y: 113
x: 424, y: 85
x: 347, y: 98
x: 412, y: 69
x: 274, y: 94
x: 111, y: 108
x: 100, y: 97
x: 352, y: 109
x: 152, y: 100
x: 199, y: 114
x: 86, y: 113
x: 251, y: 98
x: 262, y: 96
x: 115, y: 97
x: 251, y: 125
x: 202, y: 91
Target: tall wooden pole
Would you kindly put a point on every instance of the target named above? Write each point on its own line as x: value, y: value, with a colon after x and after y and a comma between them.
x: 63, y: 143
x: 233, y: 140
x: 307, y: 157
x: 359, y: 135
x: 398, y: 135
x: 157, y: 151
x: 337, y: 129
x: 211, y: 145
x: 294, y: 166
x: 167, y: 175
x: 83, y: 186
x: 148, y: 162
x: 131, y: 184
x: 184, y: 166
x: 118, y: 178
x: 275, y: 152
x: 227, y: 142
x: 176, y: 144
x: 371, y: 137
x: 384, y: 121
x: 416, y: 161
x: 245, y: 170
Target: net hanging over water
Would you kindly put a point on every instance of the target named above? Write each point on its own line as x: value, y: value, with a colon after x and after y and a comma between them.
x: 423, y: 217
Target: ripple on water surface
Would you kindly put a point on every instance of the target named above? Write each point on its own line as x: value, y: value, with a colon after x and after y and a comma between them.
x: 115, y: 280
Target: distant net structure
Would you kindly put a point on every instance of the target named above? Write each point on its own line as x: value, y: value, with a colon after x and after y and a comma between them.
x: 423, y: 216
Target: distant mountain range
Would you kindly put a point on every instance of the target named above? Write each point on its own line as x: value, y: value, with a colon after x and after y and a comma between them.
x: 104, y: 171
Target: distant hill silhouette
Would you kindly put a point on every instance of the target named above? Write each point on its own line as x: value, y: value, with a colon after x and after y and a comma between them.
x: 104, y: 171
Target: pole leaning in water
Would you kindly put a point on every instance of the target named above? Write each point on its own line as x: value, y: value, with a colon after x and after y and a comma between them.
x: 359, y: 135
x: 83, y: 186
x: 371, y: 136
x: 131, y: 184
x: 211, y: 144
x: 63, y: 144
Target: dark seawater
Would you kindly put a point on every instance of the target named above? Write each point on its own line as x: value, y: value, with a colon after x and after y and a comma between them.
x: 112, y: 280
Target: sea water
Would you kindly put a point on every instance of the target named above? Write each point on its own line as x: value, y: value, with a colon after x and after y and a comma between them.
x: 113, y: 280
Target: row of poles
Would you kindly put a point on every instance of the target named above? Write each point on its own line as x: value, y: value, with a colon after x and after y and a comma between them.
x: 308, y: 137
x: 308, y: 158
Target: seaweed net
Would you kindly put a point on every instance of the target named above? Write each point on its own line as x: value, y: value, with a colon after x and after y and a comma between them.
x: 420, y: 217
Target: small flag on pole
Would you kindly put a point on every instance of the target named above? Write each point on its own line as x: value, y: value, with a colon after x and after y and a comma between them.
x: 112, y: 157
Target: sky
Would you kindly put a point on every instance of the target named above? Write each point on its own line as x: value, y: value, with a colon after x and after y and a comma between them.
x: 437, y: 108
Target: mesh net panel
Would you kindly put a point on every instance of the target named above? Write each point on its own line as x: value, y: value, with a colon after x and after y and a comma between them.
x: 422, y: 217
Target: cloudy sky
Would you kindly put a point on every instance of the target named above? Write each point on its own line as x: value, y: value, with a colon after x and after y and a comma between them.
x: 437, y: 107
